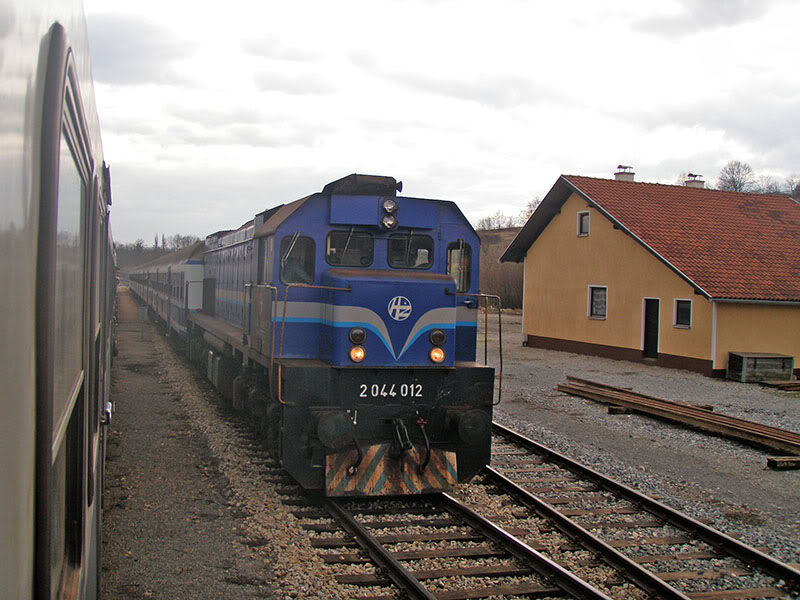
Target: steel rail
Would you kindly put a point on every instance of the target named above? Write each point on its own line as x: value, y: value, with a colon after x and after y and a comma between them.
x: 566, y: 580
x: 735, y: 548
x: 645, y: 579
x: 399, y: 575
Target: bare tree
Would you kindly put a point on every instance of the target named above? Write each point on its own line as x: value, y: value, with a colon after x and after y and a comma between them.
x: 793, y: 185
x: 178, y: 241
x: 525, y: 213
x: 767, y: 184
x: 498, y: 220
x: 736, y: 176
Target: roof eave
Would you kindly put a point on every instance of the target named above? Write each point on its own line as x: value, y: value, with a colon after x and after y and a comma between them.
x: 549, y: 207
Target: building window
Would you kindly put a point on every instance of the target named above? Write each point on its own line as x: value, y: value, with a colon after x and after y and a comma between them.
x: 583, y: 223
x: 598, y: 302
x: 683, y: 313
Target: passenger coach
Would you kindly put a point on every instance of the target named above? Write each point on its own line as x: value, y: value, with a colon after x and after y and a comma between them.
x: 57, y: 286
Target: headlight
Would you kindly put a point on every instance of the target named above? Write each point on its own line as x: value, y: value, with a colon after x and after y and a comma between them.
x: 437, y: 337
x: 357, y: 335
x: 389, y: 205
x: 357, y: 354
x: 389, y: 221
x: 437, y: 355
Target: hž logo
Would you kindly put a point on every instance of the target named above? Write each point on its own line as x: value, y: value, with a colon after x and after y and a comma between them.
x: 400, y: 308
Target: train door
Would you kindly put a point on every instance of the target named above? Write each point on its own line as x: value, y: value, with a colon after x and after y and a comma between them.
x: 263, y: 298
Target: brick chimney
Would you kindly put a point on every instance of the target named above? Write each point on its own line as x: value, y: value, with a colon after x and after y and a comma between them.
x: 694, y: 180
x: 624, y: 173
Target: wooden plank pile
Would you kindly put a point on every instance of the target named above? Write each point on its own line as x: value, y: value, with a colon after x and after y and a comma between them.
x: 697, y: 417
x: 792, y: 385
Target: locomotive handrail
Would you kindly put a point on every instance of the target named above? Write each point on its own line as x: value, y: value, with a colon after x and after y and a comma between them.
x: 283, y: 322
x: 486, y: 298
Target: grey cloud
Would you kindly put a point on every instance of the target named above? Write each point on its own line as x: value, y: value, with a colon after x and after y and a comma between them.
x: 495, y: 92
x: 297, y: 85
x: 255, y: 135
x: 213, y: 117
x: 275, y: 49
x: 766, y: 122
x: 199, y: 201
x: 128, y: 125
x: 703, y: 15
x: 132, y: 50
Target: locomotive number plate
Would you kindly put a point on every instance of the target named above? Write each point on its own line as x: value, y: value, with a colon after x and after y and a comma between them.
x: 390, y: 390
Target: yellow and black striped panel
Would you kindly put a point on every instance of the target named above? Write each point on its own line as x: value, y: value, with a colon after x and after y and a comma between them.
x: 380, y: 474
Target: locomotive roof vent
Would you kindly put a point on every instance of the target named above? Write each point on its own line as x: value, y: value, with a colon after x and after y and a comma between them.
x: 364, y: 185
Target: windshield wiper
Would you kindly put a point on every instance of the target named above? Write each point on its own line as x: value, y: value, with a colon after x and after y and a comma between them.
x: 347, y: 243
x: 408, y: 247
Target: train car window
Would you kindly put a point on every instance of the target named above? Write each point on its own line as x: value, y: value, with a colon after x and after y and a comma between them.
x: 297, y: 259
x: 349, y: 248
x: 69, y: 284
x: 459, y: 264
x: 410, y: 251
x: 97, y: 246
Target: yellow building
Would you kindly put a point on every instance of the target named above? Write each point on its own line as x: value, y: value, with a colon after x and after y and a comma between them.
x: 676, y: 275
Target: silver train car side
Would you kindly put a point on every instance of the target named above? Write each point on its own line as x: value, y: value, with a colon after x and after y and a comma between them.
x: 56, y: 297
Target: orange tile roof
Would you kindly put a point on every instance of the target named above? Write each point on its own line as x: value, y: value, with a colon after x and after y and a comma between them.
x: 732, y: 245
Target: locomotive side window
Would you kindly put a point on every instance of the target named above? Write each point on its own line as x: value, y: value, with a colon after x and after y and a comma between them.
x: 459, y: 264
x: 269, y: 259
x: 349, y: 248
x: 297, y: 259
x: 410, y: 251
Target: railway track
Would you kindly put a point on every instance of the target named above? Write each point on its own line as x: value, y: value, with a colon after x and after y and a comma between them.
x: 540, y: 525
x: 655, y: 546
x: 433, y: 547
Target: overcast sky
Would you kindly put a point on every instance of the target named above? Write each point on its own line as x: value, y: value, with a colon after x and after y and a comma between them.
x: 212, y: 112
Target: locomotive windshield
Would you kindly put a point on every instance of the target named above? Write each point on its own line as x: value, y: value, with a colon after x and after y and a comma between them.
x: 410, y: 251
x: 349, y: 248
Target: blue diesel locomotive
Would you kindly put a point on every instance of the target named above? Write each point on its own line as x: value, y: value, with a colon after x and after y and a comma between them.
x: 345, y: 324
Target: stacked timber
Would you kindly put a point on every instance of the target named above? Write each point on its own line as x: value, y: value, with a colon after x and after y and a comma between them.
x: 680, y: 412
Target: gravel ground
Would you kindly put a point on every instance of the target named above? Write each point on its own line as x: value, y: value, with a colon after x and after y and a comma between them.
x: 192, y: 510
x: 706, y: 476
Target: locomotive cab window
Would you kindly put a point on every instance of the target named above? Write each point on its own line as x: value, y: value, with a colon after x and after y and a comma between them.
x: 297, y: 259
x: 349, y: 248
x: 459, y: 264
x: 410, y: 251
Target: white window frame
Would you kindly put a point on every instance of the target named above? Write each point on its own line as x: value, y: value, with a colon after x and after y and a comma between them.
x: 588, y: 223
x: 675, y: 313
x: 589, y: 302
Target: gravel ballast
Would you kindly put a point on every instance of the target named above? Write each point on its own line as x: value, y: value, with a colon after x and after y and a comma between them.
x: 192, y: 510
x: 708, y: 477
